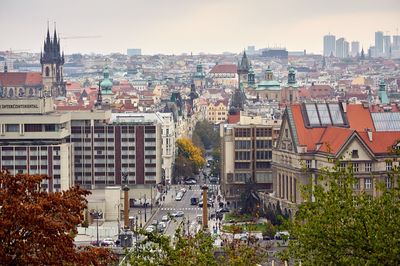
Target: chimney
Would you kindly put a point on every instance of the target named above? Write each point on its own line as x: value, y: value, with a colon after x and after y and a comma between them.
x: 369, y: 132
x: 344, y: 105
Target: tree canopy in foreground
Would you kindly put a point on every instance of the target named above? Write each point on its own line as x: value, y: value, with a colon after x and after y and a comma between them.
x: 38, y: 228
x: 192, y: 250
x: 342, y: 227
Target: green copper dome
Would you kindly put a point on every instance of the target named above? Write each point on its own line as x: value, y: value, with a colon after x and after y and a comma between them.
x: 106, y: 84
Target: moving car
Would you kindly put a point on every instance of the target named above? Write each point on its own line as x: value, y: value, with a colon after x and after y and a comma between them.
x: 183, y: 190
x: 161, y: 227
x: 150, y: 229
x: 194, y: 201
x: 179, y: 196
x: 222, y: 210
x: 178, y: 214
x: 209, y: 204
x: 190, y: 182
x: 165, y: 218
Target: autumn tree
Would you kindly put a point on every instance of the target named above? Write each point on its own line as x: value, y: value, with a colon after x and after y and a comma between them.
x: 341, y: 227
x: 38, y: 227
x: 188, y: 150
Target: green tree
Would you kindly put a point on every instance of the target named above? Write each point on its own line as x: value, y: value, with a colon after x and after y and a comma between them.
x: 192, y: 250
x: 205, y: 131
x: 341, y: 227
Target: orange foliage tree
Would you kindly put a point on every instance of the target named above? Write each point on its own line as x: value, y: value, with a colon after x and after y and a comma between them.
x: 38, y: 228
x: 193, y: 153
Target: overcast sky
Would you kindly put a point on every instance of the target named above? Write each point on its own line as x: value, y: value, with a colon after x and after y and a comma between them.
x: 178, y: 26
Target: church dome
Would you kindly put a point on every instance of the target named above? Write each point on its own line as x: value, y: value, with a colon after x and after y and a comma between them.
x: 106, y: 83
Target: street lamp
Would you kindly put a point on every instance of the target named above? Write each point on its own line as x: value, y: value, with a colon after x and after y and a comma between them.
x: 96, y: 215
x: 145, y: 208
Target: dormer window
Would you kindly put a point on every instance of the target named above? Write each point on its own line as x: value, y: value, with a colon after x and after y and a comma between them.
x: 354, y: 154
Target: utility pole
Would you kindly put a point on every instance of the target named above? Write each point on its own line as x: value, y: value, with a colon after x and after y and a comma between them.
x: 205, y: 207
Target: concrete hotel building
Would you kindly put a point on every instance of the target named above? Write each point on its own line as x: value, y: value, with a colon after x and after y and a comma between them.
x: 246, y: 153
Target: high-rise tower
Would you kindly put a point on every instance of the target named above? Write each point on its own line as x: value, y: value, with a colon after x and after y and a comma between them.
x: 52, y: 61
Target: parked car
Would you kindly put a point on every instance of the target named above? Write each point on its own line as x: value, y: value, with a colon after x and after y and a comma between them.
x: 178, y: 214
x: 107, y: 242
x: 165, y: 218
x: 282, y: 235
x: 154, y: 222
x: 183, y: 190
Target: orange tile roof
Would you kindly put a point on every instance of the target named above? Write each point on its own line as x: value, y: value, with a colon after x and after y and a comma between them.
x: 307, y: 136
x: 13, y: 79
x: 224, y: 68
x: 382, y: 141
x: 359, y: 117
x: 334, y: 138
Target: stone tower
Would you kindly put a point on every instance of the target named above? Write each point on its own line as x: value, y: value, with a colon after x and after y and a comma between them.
x: 52, y: 61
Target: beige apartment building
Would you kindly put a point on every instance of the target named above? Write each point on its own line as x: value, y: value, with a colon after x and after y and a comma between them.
x: 217, y: 112
x: 246, y: 153
x: 313, y: 134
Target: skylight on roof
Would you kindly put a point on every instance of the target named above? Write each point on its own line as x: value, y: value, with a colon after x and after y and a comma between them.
x: 323, y: 114
x: 336, y: 114
x: 386, y: 121
x: 312, y: 115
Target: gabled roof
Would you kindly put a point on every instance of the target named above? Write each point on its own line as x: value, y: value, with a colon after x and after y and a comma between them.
x: 224, y: 68
x: 382, y: 141
x: 20, y: 79
x: 332, y: 139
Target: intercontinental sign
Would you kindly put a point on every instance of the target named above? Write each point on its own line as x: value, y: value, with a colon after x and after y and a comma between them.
x: 18, y: 106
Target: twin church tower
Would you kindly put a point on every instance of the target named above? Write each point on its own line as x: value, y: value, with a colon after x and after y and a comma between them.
x: 52, y: 61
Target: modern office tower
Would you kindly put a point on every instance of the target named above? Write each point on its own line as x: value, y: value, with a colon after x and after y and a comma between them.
x: 329, y: 45
x: 246, y: 156
x: 133, y: 51
x: 396, y: 42
x: 340, y: 48
x: 378, y: 43
x: 346, y: 49
x: 355, y: 48
x: 387, y: 44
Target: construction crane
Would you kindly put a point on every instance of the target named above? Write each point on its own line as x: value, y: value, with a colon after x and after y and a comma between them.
x: 81, y: 37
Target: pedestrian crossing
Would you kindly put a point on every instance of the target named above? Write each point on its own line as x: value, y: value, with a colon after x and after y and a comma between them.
x: 182, y: 209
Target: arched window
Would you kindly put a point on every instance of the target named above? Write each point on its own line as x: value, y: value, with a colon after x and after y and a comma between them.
x: 47, y: 71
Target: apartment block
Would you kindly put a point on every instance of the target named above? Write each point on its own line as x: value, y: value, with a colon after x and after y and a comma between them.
x: 246, y: 156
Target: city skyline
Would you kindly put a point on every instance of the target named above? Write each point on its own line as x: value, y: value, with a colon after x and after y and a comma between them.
x: 175, y: 27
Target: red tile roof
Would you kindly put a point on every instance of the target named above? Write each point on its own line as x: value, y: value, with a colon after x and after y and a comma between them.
x: 331, y: 139
x: 224, y: 68
x: 14, y: 79
x: 307, y: 136
x: 233, y: 119
x: 359, y: 117
x: 382, y: 141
